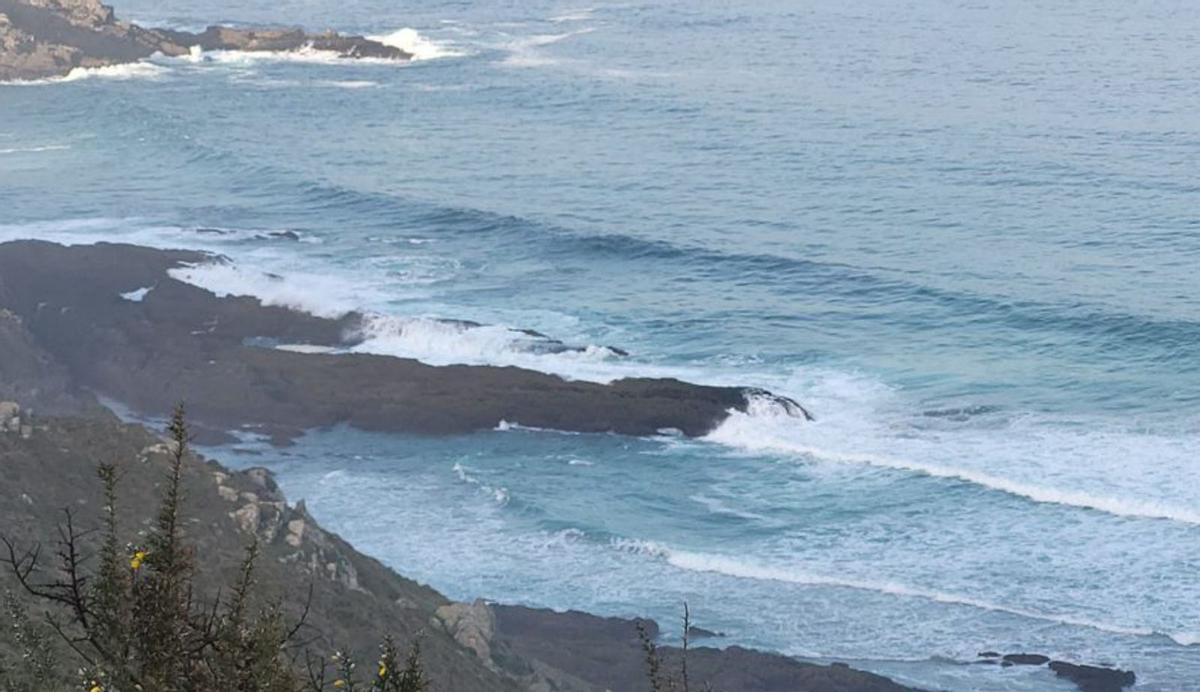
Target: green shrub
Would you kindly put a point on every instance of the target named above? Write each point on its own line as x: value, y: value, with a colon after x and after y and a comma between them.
x: 131, y: 620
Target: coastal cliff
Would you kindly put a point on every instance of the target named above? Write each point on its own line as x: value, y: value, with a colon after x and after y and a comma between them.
x: 41, y: 39
x: 355, y: 600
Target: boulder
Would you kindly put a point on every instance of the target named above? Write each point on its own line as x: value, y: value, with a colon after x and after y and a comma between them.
x: 1094, y: 678
x: 472, y: 625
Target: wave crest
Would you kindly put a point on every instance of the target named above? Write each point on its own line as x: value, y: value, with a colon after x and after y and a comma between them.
x: 732, y: 567
x: 419, y: 47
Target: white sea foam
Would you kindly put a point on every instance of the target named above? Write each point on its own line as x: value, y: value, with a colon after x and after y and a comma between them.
x: 580, y: 15
x: 126, y: 71
x: 441, y: 342
x: 346, y: 83
x: 420, y: 47
x: 316, y: 294
x: 499, y: 494
x: 765, y: 428
x: 306, y: 55
x: 137, y: 296
x: 525, y: 51
x: 718, y: 506
x: 741, y: 569
x: 133, y: 70
x: 306, y: 348
x: 34, y: 150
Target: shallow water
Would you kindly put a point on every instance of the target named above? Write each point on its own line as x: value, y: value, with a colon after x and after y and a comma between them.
x: 963, y: 234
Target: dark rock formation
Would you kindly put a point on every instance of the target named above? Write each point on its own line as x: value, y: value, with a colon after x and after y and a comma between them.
x: 49, y: 38
x: 30, y: 375
x: 702, y: 633
x: 1086, y: 678
x: 1026, y: 659
x: 606, y: 654
x: 1094, y: 678
x: 182, y: 343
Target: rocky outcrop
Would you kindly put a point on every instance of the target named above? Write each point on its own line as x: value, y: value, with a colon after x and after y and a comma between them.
x: 32, y: 377
x: 1086, y: 678
x: 177, y: 342
x: 472, y: 625
x: 607, y: 654
x: 1094, y: 678
x: 49, y: 38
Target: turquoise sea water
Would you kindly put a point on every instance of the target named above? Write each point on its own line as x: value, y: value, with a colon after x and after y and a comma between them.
x: 965, y: 234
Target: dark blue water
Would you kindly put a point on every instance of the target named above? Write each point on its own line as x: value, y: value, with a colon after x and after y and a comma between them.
x: 964, y: 234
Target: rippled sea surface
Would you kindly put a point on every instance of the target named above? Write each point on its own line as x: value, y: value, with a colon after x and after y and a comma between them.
x: 965, y: 234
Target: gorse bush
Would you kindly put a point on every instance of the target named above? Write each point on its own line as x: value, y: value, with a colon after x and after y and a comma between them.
x: 129, y: 616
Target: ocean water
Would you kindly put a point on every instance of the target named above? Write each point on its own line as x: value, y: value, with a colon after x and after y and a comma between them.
x: 964, y: 234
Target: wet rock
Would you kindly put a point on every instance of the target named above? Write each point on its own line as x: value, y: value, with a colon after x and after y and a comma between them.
x: 471, y: 624
x: 1094, y: 678
x: 183, y: 343
x: 701, y: 633
x: 1027, y: 659
x: 49, y: 38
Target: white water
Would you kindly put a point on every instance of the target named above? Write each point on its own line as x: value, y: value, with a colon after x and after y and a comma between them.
x: 420, y: 47
x: 1082, y: 464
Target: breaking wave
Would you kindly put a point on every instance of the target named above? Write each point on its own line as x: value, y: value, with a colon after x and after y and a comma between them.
x: 452, y: 342
x: 853, y: 437
x: 733, y: 567
x: 420, y: 47
x: 123, y: 72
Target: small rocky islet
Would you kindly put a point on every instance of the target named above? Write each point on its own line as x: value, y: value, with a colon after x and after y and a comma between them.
x: 45, y: 39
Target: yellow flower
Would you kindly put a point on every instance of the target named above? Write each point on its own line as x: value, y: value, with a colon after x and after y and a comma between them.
x: 138, y: 558
x: 339, y: 683
x: 382, y: 669
x: 96, y: 688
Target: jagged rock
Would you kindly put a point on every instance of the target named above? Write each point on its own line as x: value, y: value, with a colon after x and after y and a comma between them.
x: 49, y: 38
x: 295, y: 533
x: 1086, y: 678
x: 10, y: 416
x: 471, y: 624
x: 1094, y: 678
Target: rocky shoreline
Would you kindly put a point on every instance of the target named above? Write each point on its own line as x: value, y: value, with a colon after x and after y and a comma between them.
x: 42, y: 39
x: 467, y: 647
x: 124, y: 328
